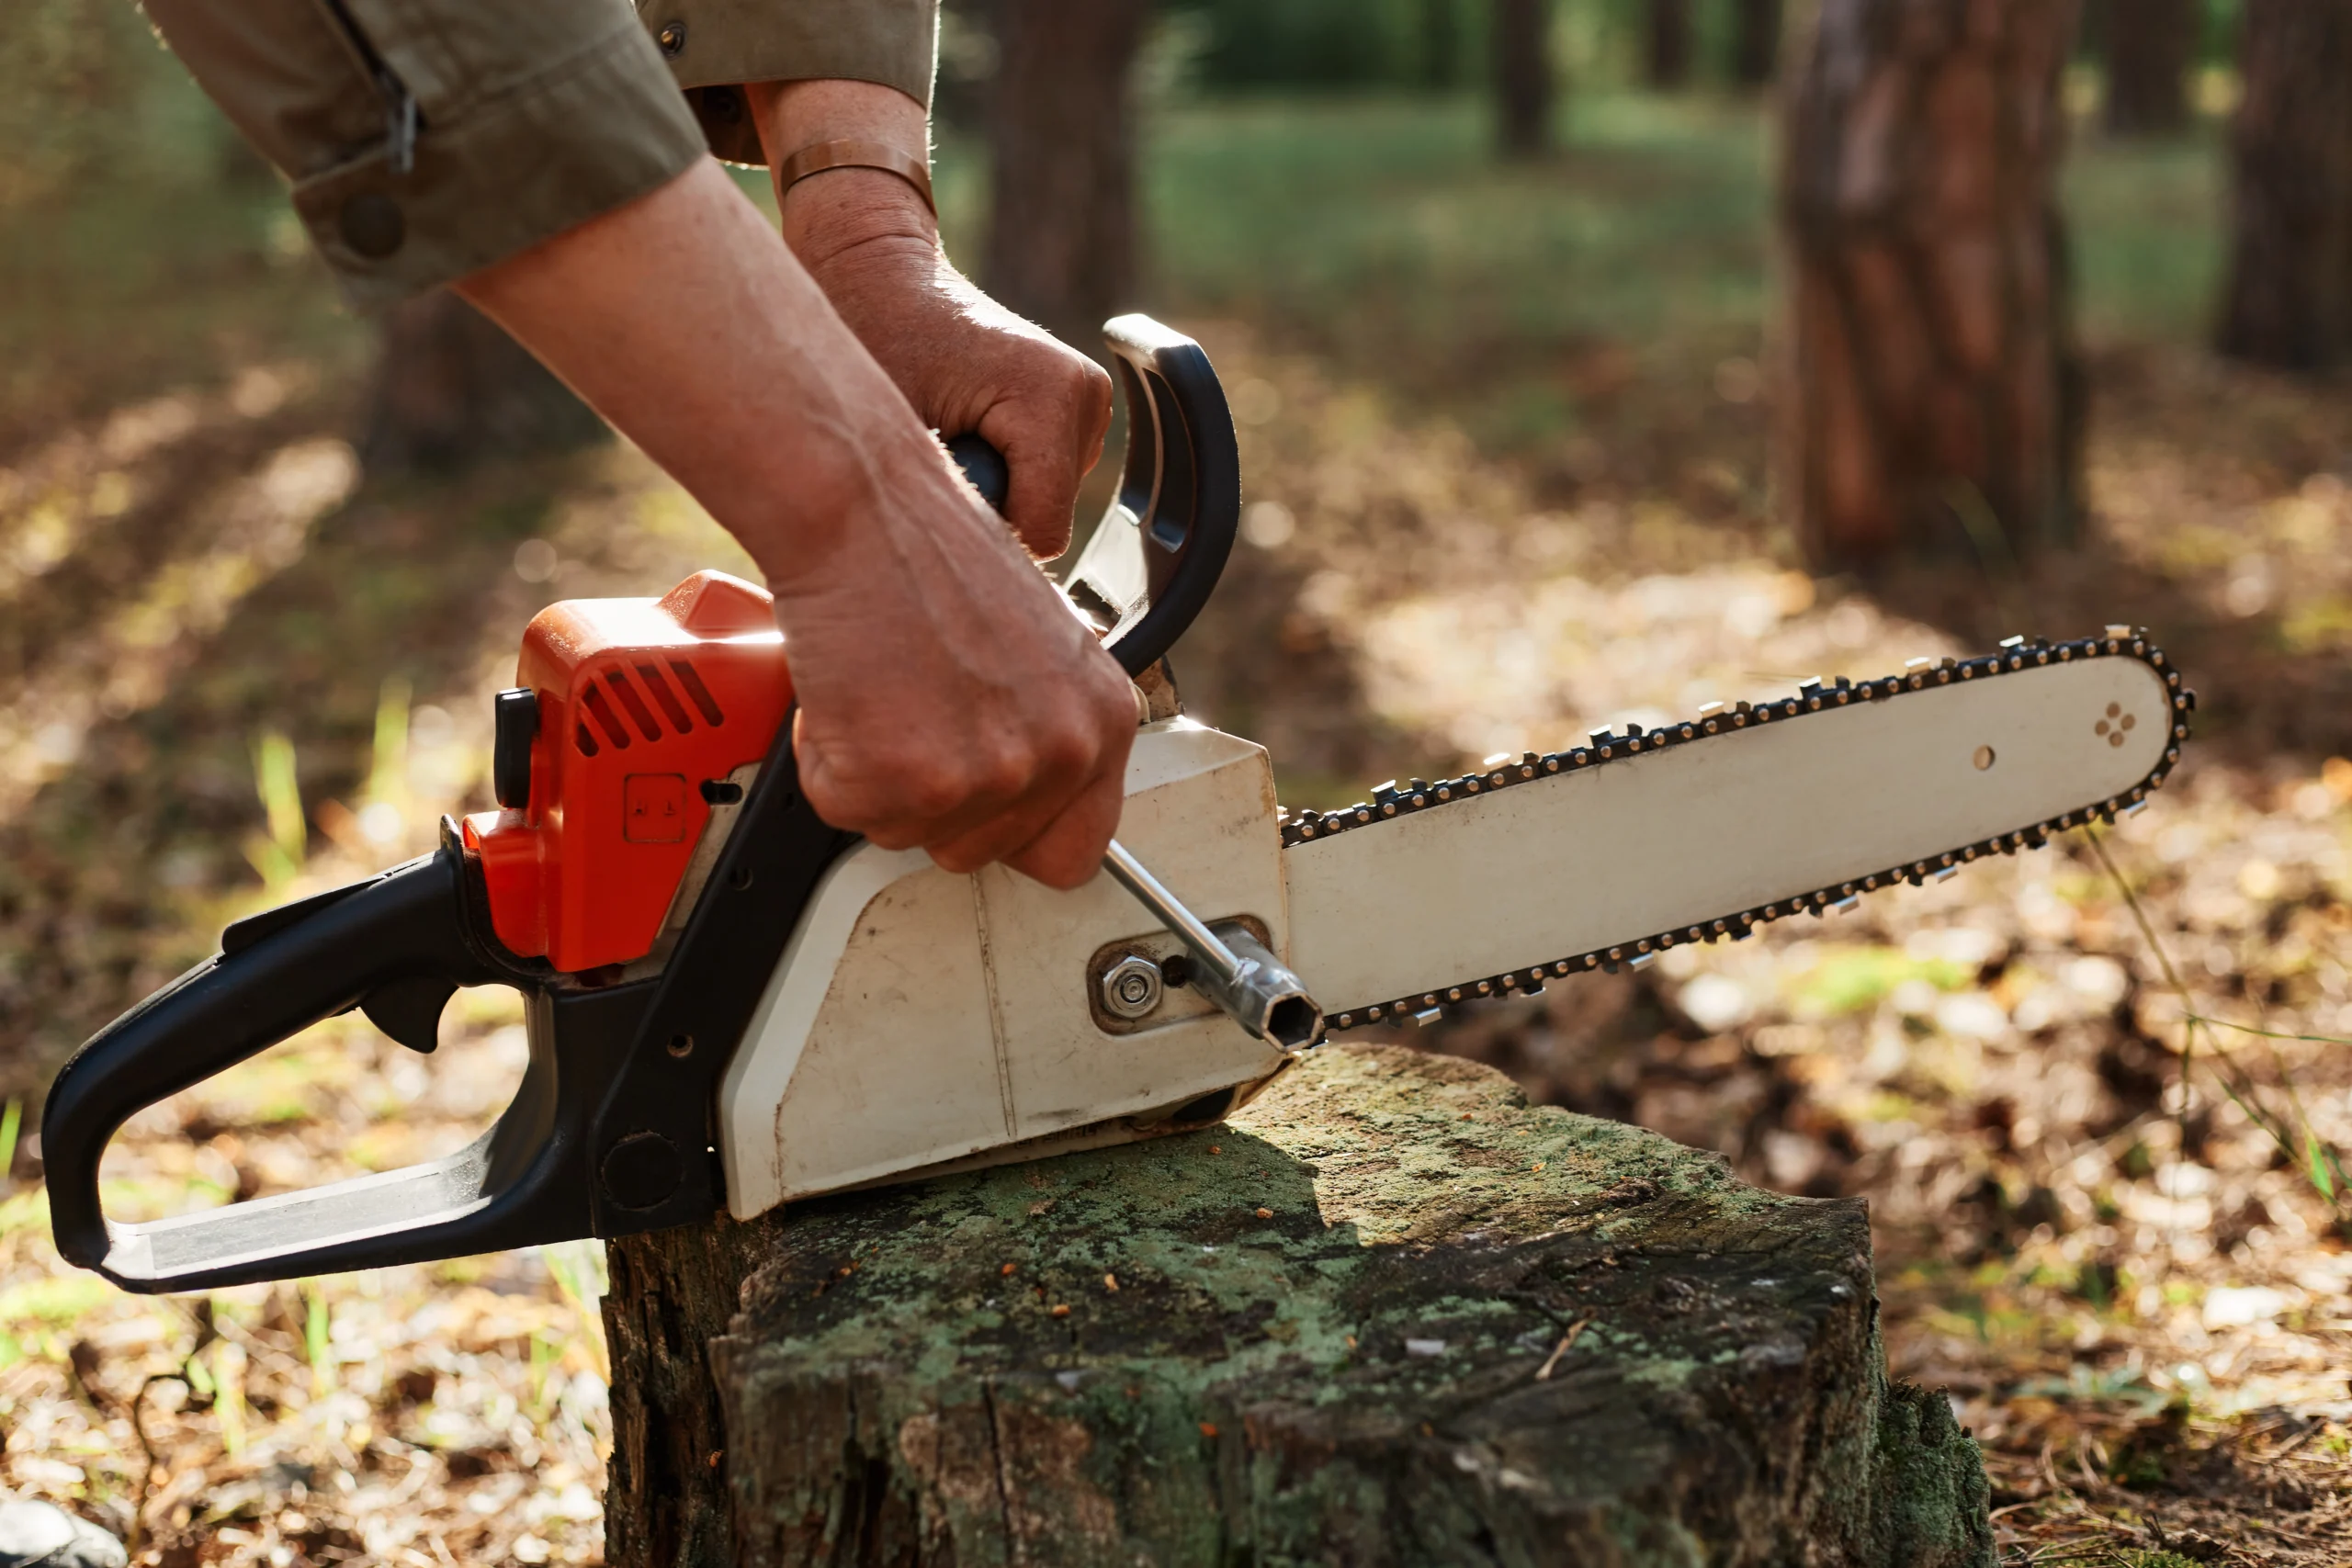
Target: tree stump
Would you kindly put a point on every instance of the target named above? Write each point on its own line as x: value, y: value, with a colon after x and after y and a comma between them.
x: 1390, y: 1314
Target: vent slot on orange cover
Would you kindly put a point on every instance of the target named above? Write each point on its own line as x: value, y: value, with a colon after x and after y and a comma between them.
x: 646, y: 724
x: 685, y: 671
x: 607, y: 719
x: 671, y: 708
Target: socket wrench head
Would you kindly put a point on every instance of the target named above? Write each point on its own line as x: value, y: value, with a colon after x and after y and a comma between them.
x: 1263, y: 995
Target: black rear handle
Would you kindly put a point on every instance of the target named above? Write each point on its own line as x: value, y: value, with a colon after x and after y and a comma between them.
x: 400, y: 936
x: 612, y: 1130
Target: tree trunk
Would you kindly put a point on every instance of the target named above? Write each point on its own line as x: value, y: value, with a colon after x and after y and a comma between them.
x: 451, y: 388
x: 1523, y: 81
x: 1756, y: 42
x: 1441, y: 44
x: 2150, y: 44
x: 1931, y: 398
x: 1388, y: 1314
x: 1666, y: 57
x: 1060, y: 245
x: 2288, y: 302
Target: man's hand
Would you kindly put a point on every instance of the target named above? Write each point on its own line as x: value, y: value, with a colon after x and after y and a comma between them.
x: 948, y: 699
x: 969, y: 364
x: 966, y: 363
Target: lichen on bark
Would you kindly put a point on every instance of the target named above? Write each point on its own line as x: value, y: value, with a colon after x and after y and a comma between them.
x: 1390, y: 1314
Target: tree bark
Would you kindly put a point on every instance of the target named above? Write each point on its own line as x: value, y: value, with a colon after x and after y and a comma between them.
x: 1388, y: 1314
x: 2150, y: 44
x: 1441, y: 44
x: 1061, y: 247
x: 2288, y: 300
x: 1931, y: 396
x: 1666, y: 56
x: 451, y: 388
x: 1756, y: 42
x: 1523, y: 79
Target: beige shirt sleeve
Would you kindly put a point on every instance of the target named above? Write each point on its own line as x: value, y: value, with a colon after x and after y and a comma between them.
x: 714, y: 46
x: 428, y: 139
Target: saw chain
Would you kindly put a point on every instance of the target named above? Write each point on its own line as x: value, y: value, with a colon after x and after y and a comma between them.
x: 1392, y: 800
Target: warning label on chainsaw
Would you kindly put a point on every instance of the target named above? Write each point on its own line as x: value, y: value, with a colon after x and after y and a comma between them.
x: 653, y: 808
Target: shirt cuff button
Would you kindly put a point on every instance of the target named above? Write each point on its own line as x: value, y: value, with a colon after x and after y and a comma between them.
x: 372, y: 224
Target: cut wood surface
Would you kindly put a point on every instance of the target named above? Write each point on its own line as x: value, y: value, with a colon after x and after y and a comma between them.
x: 1389, y: 1313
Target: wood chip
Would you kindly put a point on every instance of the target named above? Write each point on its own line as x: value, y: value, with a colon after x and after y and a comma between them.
x: 1543, y: 1374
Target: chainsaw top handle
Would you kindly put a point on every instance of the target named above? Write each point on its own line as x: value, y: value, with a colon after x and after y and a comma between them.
x: 1155, y: 558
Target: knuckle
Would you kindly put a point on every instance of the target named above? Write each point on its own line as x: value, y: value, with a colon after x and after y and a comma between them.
x: 1004, y: 773
x: 1069, y: 749
x: 928, y: 793
x: 1090, y: 385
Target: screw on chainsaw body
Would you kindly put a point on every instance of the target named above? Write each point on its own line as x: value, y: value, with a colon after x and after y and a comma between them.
x: 1605, y: 745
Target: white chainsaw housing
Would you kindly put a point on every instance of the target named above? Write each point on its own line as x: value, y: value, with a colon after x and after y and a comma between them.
x: 919, y: 1017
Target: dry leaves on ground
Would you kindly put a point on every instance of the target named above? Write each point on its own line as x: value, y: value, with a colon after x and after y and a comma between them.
x: 2135, y: 1297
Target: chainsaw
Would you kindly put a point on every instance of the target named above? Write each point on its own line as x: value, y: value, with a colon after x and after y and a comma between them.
x: 732, y: 1005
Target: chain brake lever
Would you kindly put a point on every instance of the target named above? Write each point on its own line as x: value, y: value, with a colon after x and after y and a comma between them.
x: 1155, y: 558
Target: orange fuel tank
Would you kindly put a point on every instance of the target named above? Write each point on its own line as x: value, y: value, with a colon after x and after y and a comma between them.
x: 644, y: 706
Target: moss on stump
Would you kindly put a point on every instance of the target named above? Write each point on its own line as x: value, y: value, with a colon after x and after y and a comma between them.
x: 1388, y: 1314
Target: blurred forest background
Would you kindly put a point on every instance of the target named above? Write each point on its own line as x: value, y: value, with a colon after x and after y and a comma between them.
x: 1592, y: 358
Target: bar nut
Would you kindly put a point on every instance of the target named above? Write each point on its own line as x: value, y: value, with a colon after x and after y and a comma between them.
x: 1131, y: 988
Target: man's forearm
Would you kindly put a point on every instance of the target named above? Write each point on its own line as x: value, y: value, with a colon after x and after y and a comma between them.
x: 683, y: 319
x: 966, y: 363
x: 945, y: 697
x: 826, y: 213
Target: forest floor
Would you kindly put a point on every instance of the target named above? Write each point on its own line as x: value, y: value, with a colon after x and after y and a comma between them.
x: 237, y: 669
